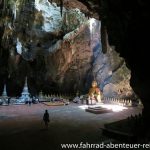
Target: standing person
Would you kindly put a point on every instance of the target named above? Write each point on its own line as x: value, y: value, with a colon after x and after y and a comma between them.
x: 30, y: 101
x: 9, y: 100
x: 46, y: 118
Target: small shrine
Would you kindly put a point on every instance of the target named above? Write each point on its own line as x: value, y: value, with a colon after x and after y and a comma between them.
x: 94, y: 95
x: 4, y: 94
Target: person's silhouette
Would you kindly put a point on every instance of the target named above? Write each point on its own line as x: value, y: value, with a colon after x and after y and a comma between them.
x: 46, y: 118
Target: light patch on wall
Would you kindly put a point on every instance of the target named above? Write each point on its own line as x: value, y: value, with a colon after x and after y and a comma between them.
x: 51, y: 14
x: 92, y: 23
x: 14, y: 11
x: 73, y: 51
x: 19, y: 47
x: 94, y: 26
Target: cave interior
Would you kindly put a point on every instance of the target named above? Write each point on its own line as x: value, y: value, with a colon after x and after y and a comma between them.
x: 61, y: 46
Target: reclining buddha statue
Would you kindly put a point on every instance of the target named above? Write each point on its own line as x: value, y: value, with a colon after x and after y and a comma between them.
x: 94, y: 93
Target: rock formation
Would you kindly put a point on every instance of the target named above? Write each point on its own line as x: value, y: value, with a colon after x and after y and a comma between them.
x: 58, y: 49
x: 127, y: 28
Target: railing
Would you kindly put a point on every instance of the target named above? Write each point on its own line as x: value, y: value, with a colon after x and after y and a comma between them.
x: 121, y: 101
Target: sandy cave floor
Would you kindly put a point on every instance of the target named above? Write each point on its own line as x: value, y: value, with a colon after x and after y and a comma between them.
x: 21, y: 126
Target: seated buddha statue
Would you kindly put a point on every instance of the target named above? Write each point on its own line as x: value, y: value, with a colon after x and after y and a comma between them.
x: 94, y: 92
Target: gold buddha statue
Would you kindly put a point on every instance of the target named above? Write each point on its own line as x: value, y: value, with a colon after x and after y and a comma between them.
x: 94, y: 92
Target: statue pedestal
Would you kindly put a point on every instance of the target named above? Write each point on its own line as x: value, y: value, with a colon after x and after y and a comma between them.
x: 97, y: 110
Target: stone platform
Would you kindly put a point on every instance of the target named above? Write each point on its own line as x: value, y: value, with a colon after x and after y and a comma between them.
x: 100, y: 108
x: 97, y: 110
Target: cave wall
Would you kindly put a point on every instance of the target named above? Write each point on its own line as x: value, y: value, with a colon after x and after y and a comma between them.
x: 30, y: 32
x: 128, y: 26
x: 59, y: 52
x: 108, y: 68
x: 117, y: 81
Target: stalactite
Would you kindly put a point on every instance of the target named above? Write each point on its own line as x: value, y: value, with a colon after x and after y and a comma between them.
x: 66, y: 19
x: 104, y: 38
x: 5, y: 4
x: 61, y: 7
x: 51, y: 1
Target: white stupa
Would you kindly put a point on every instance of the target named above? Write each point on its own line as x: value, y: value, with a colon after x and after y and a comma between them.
x: 4, y: 94
x: 3, y: 97
x: 25, y: 93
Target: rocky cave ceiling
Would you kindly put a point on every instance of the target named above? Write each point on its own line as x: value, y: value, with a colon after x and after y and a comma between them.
x: 58, y: 46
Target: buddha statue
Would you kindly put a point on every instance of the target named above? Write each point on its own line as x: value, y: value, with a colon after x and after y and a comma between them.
x: 94, y: 92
